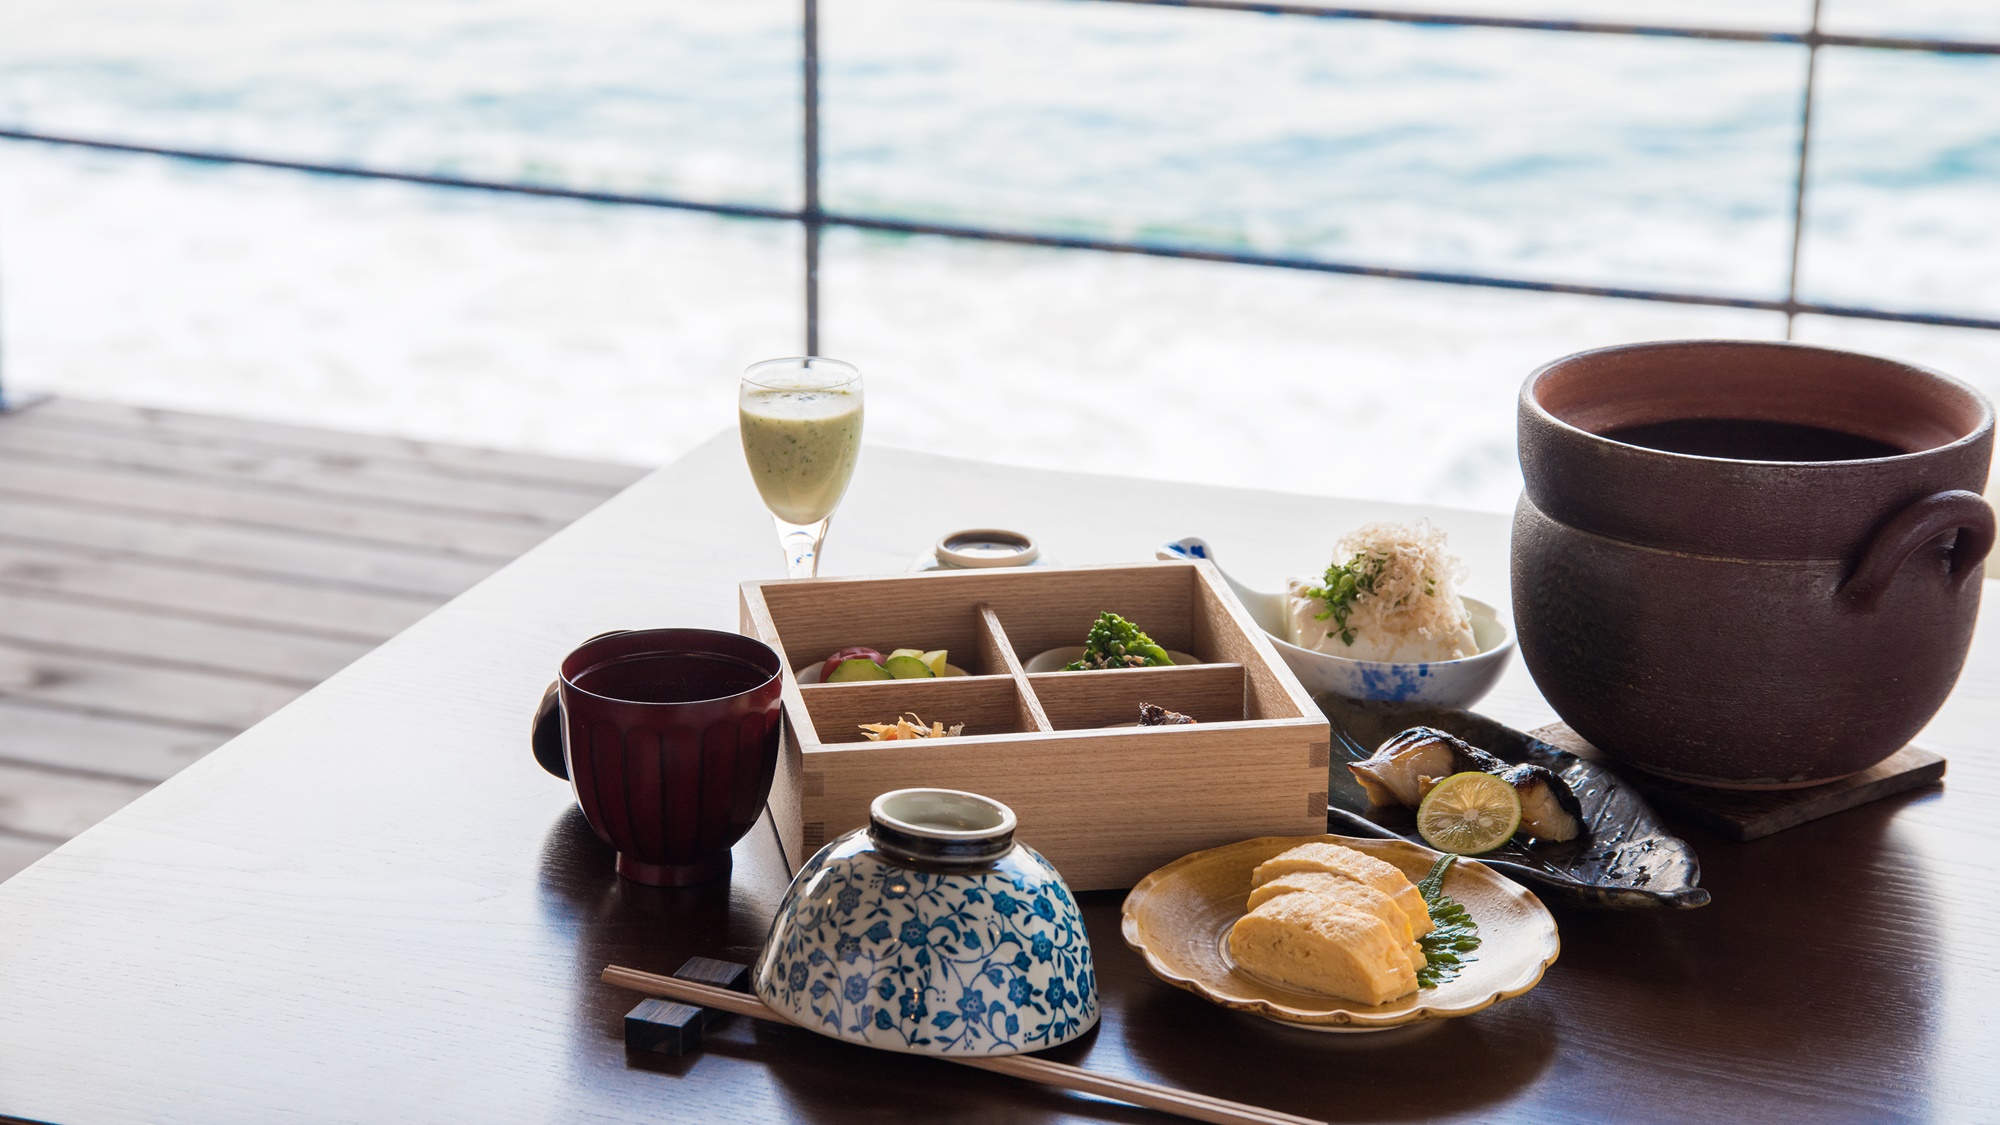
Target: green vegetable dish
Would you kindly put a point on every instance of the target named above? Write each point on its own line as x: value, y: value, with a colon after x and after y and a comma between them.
x: 1117, y: 643
x: 1454, y: 935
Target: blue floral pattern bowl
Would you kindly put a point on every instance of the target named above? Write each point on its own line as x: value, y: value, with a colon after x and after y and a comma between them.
x: 932, y: 932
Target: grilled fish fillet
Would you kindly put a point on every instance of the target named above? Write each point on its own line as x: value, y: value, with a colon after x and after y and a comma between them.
x: 1409, y: 765
x: 1405, y: 768
x: 1549, y: 808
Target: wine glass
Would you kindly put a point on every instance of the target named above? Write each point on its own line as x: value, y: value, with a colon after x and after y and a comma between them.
x: 801, y: 425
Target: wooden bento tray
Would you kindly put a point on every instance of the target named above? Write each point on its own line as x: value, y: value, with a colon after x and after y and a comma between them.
x: 1106, y: 804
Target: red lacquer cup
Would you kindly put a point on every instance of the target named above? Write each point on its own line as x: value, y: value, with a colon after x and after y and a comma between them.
x: 670, y: 738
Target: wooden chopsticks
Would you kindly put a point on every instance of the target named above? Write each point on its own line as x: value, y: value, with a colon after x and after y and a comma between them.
x: 1199, y: 1107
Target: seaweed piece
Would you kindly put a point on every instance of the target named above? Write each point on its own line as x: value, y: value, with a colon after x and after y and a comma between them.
x: 1154, y: 715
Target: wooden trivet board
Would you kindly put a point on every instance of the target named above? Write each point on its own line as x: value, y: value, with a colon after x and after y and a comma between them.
x: 1747, y: 815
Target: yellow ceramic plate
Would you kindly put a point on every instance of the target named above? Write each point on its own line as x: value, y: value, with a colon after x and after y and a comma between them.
x: 1178, y: 919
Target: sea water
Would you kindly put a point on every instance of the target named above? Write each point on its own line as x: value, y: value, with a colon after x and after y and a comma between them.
x: 549, y: 325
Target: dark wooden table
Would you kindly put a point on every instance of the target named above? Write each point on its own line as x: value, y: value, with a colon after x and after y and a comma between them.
x: 374, y: 906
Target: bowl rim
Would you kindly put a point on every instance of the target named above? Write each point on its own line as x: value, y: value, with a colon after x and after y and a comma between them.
x: 673, y: 640
x: 1506, y: 644
x: 1003, y: 827
x: 1027, y: 661
x: 1530, y: 397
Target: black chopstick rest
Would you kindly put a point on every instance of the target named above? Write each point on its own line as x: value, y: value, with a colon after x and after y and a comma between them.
x: 664, y: 1027
x: 671, y: 1028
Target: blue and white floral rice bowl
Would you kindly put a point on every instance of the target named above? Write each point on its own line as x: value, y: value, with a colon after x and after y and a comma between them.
x: 932, y: 932
x: 1437, y: 683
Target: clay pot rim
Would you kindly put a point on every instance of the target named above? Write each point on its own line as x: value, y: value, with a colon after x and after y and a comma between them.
x: 1531, y: 402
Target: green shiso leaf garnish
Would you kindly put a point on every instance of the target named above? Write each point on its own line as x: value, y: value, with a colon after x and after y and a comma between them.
x: 1454, y: 935
x: 1344, y: 583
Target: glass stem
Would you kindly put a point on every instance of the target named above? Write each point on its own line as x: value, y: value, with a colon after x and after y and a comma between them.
x: 801, y: 543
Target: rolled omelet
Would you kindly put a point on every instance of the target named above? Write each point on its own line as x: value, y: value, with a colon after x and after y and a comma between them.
x: 1347, y: 863
x: 1346, y: 892
x: 1310, y: 942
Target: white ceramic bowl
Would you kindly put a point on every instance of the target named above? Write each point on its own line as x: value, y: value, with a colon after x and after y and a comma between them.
x: 812, y: 673
x: 1440, y: 683
x: 1056, y: 659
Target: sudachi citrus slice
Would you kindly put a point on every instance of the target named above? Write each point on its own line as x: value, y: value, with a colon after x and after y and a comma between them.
x: 1469, y: 813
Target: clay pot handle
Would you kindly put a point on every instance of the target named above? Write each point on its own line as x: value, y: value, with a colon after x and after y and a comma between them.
x: 1909, y: 531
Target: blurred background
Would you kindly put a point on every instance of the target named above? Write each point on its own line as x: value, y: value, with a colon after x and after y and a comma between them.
x: 1303, y: 250
x: 1667, y: 164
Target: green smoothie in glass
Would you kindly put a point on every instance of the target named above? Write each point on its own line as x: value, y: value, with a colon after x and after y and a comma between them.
x: 801, y: 427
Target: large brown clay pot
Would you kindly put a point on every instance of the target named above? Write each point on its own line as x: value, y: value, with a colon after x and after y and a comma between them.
x: 1744, y: 623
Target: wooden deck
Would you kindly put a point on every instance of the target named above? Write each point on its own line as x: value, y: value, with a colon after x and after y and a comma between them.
x: 168, y: 579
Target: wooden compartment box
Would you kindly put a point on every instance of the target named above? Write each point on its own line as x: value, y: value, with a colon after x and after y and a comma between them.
x: 1106, y: 804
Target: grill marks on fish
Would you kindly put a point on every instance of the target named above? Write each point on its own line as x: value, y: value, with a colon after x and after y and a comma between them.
x: 1409, y: 765
x: 1549, y: 810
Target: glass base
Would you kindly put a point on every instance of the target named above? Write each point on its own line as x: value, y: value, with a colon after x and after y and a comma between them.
x: 801, y: 543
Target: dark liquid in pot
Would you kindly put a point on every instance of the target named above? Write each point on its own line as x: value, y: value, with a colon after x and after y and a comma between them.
x: 671, y: 677
x: 1745, y: 439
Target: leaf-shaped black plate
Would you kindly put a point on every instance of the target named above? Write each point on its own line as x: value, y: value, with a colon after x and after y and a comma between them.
x: 1623, y: 860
